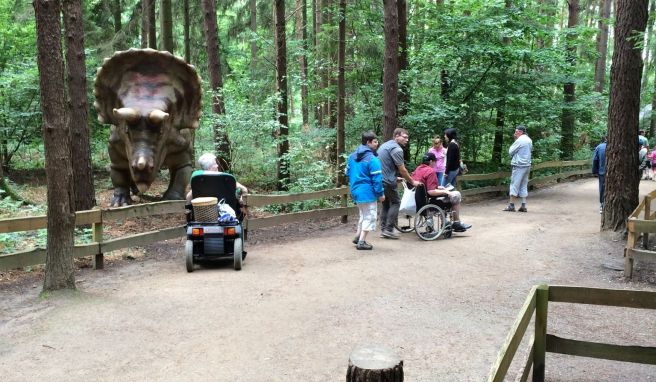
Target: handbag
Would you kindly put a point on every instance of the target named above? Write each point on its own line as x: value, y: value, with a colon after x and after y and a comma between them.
x: 408, y: 203
x: 462, y: 170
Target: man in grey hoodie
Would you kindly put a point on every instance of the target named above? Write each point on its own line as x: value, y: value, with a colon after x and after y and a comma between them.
x: 520, y: 152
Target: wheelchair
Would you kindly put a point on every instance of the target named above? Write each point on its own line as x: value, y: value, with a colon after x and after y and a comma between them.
x: 214, y: 240
x: 433, y: 218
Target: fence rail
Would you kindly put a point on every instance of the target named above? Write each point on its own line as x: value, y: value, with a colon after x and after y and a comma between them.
x: 637, y: 226
x: 98, y: 217
x: 543, y: 342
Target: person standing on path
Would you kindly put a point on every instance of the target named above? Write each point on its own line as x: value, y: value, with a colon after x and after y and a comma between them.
x: 366, y: 183
x: 440, y: 164
x: 452, y: 158
x: 390, y: 154
x: 599, y: 169
x: 520, y: 152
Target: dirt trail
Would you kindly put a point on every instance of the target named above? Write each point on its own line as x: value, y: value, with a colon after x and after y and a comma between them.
x: 298, y: 308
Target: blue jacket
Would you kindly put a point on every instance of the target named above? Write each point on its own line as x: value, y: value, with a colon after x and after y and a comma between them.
x: 365, y: 175
x: 599, y: 160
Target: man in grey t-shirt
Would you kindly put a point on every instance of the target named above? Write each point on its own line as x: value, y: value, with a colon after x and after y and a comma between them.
x: 390, y: 154
x: 520, y: 152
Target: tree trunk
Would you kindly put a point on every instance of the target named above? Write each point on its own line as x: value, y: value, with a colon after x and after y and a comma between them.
x: 56, y: 139
x: 144, y: 24
x: 602, y: 45
x: 152, y: 28
x: 166, y: 25
x: 374, y: 363
x: 77, y: 106
x: 221, y: 141
x: 569, y: 89
x: 282, y: 167
x: 253, y: 20
x: 648, y: 50
x: 652, y: 124
x: 301, y: 34
x: 186, y: 27
x: 116, y: 15
x: 404, y: 91
x: 390, y: 68
x: 622, y: 178
x: 497, y: 147
x: 341, y: 92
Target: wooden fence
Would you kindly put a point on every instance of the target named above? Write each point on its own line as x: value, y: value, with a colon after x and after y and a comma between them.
x: 98, y: 217
x: 542, y: 342
x: 636, y: 227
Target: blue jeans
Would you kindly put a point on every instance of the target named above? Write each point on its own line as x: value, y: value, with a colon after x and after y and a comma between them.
x: 440, y: 177
x: 602, y: 182
x: 450, y: 178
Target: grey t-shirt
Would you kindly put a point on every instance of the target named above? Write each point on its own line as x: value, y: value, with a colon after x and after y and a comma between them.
x: 391, y: 156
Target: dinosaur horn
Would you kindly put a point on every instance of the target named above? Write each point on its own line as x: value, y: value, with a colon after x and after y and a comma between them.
x: 158, y: 116
x: 126, y: 114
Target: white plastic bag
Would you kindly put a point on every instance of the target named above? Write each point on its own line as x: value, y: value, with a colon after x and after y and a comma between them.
x: 227, y: 214
x: 408, y: 203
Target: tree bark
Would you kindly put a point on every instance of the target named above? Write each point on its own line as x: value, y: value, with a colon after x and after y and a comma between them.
x: 497, y: 147
x: 390, y: 68
x: 374, y: 363
x: 341, y: 93
x: 116, y: 15
x: 652, y: 124
x: 282, y: 164
x: 221, y: 141
x: 622, y: 177
x: 144, y: 24
x: 166, y: 25
x: 404, y: 91
x: 301, y: 34
x: 77, y: 106
x: 150, y: 13
x: 569, y: 89
x: 186, y: 27
x: 56, y: 139
x: 602, y: 46
x: 253, y: 22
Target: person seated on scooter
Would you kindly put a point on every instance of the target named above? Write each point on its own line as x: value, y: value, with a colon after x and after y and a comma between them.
x: 208, y: 164
x: 425, y: 173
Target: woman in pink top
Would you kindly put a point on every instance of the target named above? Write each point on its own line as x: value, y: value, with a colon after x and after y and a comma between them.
x: 440, y: 153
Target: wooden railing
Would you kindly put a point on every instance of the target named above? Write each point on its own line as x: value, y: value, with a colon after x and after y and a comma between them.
x: 636, y: 227
x: 542, y: 342
x: 98, y: 217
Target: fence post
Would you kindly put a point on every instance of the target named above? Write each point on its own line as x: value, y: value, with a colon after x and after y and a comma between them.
x: 540, y: 342
x: 98, y: 258
x: 645, y: 235
x: 344, y: 201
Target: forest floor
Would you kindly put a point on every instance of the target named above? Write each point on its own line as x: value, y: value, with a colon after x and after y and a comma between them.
x: 305, y: 298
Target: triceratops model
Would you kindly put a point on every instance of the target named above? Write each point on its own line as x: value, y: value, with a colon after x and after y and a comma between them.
x: 152, y: 99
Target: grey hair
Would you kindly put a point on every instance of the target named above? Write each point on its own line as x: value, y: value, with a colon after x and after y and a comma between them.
x: 206, y: 161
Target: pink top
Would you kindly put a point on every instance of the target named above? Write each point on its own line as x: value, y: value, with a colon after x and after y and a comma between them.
x: 653, y: 158
x: 440, y: 165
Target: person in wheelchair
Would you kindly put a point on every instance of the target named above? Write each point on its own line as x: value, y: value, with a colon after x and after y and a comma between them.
x: 209, y: 164
x: 425, y: 173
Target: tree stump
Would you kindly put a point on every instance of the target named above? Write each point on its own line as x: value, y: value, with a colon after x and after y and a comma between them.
x: 374, y: 363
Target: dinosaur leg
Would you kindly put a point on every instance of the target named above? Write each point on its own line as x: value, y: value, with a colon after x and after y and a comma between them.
x: 121, y: 181
x: 178, y: 182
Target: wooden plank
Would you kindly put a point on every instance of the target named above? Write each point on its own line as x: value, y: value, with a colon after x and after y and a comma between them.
x: 551, y: 178
x: 540, y: 338
x: 88, y: 217
x: 513, y: 339
x: 528, y: 364
x: 142, y: 239
x: 549, y: 164
x: 255, y: 200
x: 483, y: 190
x: 31, y: 223
x: 300, y: 216
x: 140, y: 210
x: 622, y: 353
x: 639, y: 226
x: 638, y: 210
x: 572, y: 163
x: 642, y: 255
x: 38, y: 256
x: 601, y: 296
x: 645, y: 236
x: 488, y: 176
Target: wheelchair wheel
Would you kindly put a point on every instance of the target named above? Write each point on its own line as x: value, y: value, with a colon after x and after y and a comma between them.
x: 189, y: 255
x: 237, y: 254
x: 429, y: 222
x: 405, y: 223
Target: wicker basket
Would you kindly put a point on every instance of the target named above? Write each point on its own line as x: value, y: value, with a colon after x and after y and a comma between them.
x: 205, y: 209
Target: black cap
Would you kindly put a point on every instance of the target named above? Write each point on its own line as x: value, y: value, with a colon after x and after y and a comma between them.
x: 428, y: 157
x: 521, y: 128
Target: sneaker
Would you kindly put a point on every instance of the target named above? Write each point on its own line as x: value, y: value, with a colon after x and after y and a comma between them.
x: 356, y: 240
x: 363, y: 245
x: 389, y: 235
x: 601, y: 210
x: 509, y: 209
x: 460, y: 226
x: 522, y: 209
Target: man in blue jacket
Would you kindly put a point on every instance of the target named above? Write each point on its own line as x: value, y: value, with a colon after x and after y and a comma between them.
x: 599, y: 169
x: 366, y: 183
